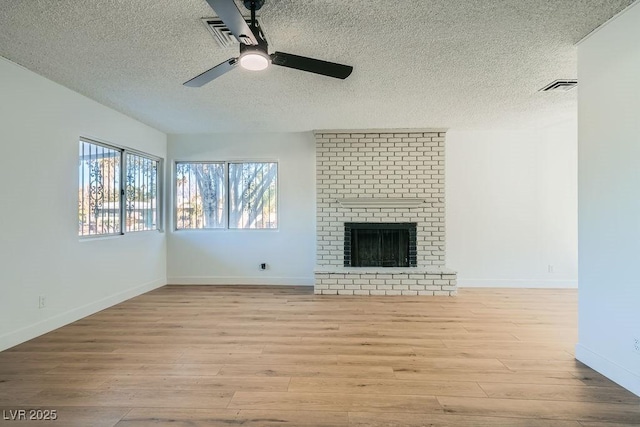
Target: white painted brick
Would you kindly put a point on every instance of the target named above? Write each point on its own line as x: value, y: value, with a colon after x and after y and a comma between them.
x: 329, y: 292
x: 347, y: 292
x: 377, y: 292
x: 361, y: 292
x: 393, y: 292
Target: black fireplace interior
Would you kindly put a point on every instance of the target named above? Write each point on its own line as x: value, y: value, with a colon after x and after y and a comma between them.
x: 380, y: 244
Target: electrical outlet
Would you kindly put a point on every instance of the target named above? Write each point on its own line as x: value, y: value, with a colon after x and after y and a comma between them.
x: 263, y: 266
x: 636, y: 345
x: 550, y: 268
x: 42, y: 301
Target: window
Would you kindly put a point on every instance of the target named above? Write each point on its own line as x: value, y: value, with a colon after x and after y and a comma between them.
x: 101, y: 208
x: 226, y: 195
x: 252, y: 195
x: 142, y: 193
x: 200, y: 195
x: 99, y: 198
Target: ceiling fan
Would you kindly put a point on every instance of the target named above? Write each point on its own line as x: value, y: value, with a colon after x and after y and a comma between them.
x: 254, y: 54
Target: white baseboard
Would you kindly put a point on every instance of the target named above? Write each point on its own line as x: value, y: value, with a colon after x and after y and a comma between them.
x: 504, y: 283
x: 56, y: 321
x: 609, y: 369
x: 240, y: 280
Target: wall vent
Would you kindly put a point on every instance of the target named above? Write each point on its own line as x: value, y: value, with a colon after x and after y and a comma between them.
x: 560, y: 86
x: 220, y: 32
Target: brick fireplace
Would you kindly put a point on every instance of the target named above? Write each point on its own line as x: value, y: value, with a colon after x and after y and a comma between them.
x: 392, y: 178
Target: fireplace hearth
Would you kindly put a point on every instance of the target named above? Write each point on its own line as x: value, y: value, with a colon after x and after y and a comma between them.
x: 380, y: 244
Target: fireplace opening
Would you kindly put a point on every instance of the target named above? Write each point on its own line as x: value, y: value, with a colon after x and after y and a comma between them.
x: 380, y: 244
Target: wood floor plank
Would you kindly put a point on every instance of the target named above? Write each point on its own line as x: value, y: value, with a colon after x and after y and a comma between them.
x: 15, y: 382
x: 543, y: 365
x: 312, y: 370
x: 384, y: 386
x: 544, y: 409
x: 605, y: 424
x: 422, y: 362
x: 489, y: 376
x: 402, y: 419
x: 178, y: 417
x: 180, y: 369
x: 192, y: 382
x: 53, y: 358
x: 152, y: 398
x: 334, y: 401
x: 259, y: 359
x: 373, y: 350
x: 557, y: 392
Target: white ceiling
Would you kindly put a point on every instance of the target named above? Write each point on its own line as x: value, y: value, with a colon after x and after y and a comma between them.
x: 417, y: 63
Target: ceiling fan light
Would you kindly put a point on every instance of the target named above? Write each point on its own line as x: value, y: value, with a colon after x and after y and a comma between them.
x: 254, y: 61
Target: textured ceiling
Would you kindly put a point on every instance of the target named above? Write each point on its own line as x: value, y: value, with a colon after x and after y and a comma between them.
x: 417, y: 63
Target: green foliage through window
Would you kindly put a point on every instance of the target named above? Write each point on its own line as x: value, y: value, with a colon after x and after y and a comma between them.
x: 233, y: 195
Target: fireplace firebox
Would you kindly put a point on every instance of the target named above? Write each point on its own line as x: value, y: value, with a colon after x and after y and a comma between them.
x: 380, y: 244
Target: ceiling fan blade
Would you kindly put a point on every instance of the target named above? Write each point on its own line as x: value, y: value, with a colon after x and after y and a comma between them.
x: 233, y: 19
x: 311, y: 65
x: 215, y: 72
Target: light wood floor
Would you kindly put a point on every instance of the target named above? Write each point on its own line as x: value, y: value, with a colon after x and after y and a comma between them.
x: 273, y: 356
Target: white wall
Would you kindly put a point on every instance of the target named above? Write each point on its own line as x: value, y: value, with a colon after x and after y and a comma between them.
x: 234, y: 256
x: 511, y: 200
x: 609, y: 201
x: 40, y: 252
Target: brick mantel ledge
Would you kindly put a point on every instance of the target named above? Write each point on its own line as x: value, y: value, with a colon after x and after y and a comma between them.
x: 381, y: 202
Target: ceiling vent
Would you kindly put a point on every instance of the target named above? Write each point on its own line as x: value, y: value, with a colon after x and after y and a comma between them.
x: 220, y: 32
x: 560, y: 86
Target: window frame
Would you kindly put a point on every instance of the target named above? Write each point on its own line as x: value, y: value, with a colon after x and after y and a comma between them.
x: 124, y: 152
x: 175, y: 194
x: 226, y: 227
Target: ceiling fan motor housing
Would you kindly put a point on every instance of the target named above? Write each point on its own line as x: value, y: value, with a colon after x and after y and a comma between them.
x: 253, y: 4
x: 260, y: 48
